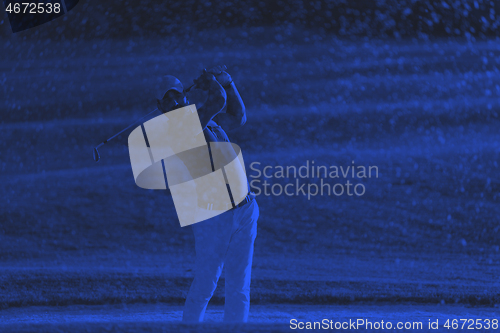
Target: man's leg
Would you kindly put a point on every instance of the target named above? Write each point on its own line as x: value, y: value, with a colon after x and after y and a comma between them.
x: 239, y: 263
x: 211, y: 244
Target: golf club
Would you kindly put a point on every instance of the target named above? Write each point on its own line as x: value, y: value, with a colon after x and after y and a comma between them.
x: 96, y: 152
x: 97, y: 157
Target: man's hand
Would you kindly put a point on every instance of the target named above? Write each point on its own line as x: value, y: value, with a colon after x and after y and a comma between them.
x: 234, y: 115
x: 216, y: 100
x: 220, y: 75
x: 205, y: 80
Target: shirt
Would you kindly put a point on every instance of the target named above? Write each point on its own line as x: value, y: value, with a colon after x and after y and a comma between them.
x: 215, y: 133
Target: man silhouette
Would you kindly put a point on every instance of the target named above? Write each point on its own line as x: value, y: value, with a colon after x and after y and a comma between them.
x: 226, y: 240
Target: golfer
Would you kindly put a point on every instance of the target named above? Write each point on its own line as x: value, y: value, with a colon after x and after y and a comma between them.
x: 226, y: 240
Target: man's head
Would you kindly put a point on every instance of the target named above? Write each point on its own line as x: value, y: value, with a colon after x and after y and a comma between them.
x: 171, y: 95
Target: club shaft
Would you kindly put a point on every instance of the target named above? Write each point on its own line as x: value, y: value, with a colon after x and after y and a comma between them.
x: 114, y: 136
x: 189, y: 88
x: 96, y: 153
x: 123, y: 130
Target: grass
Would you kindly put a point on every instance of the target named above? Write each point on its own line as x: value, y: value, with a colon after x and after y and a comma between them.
x: 56, y: 288
x: 76, y: 232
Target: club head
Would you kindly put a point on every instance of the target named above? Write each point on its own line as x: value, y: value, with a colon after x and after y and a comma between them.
x: 96, y: 155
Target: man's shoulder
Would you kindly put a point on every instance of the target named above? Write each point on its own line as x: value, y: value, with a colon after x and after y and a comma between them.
x: 212, y: 123
x: 218, y: 131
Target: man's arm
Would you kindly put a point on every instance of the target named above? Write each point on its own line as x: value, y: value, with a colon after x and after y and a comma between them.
x: 235, y: 115
x: 216, y: 100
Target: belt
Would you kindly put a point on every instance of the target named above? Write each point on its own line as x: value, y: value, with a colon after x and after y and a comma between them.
x: 249, y: 198
x: 211, y: 206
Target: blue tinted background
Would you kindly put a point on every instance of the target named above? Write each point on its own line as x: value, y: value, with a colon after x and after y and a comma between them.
x: 411, y: 87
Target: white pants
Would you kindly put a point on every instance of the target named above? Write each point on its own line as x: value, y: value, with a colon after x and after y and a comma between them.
x: 226, y: 239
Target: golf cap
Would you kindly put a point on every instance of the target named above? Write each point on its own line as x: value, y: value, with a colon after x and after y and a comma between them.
x: 169, y: 82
